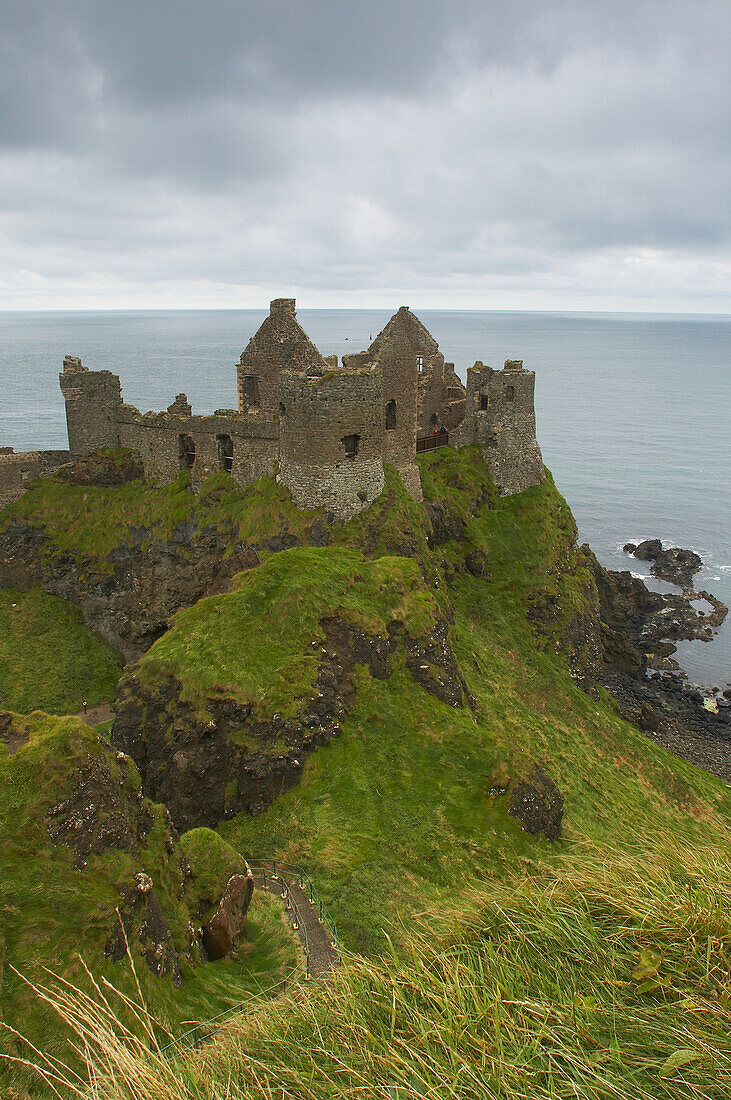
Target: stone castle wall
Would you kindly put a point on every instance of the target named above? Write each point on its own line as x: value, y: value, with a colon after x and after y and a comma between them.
x: 327, y: 429
x: 170, y: 442
x: 331, y: 440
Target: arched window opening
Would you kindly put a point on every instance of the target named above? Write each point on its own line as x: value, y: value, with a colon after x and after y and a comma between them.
x: 484, y: 401
x: 390, y: 416
x: 351, y: 444
x: 509, y: 393
x: 433, y: 420
x: 420, y: 363
x: 186, y: 452
x: 282, y: 409
x: 225, y: 453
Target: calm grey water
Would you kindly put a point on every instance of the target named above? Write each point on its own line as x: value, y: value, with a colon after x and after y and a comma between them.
x: 632, y: 409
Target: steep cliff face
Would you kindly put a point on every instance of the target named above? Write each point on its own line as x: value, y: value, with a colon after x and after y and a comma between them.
x: 222, y: 712
x: 131, y: 554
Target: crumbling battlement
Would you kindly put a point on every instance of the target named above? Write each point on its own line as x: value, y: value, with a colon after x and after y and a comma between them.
x: 324, y: 430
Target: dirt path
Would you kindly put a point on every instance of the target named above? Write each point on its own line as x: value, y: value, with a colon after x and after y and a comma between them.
x: 314, y: 937
x: 96, y: 715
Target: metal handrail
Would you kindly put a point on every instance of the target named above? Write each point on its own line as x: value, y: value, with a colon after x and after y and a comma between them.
x: 280, y: 869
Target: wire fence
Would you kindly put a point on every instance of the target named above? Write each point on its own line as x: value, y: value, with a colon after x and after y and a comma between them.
x: 283, y: 874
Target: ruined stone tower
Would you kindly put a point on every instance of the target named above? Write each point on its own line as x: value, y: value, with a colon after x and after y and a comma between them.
x: 93, y: 400
x: 500, y: 418
x: 331, y: 439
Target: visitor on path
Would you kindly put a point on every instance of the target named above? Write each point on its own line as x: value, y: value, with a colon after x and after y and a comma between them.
x: 435, y: 430
x: 83, y: 703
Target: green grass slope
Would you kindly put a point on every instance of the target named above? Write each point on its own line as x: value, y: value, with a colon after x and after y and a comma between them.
x: 90, y: 521
x: 398, y: 814
x: 491, y: 963
x: 53, y: 915
x: 48, y: 659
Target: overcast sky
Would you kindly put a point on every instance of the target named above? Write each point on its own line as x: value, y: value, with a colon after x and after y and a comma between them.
x: 493, y: 155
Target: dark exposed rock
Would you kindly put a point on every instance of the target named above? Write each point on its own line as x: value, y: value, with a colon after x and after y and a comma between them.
x: 445, y: 525
x: 100, y: 813
x: 229, y: 921
x: 647, y: 550
x: 638, y: 631
x: 477, y: 564
x: 677, y: 565
x: 141, y: 920
x: 104, y: 468
x: 206, y: 768
x: 538, y: 805
x: 148, y: 580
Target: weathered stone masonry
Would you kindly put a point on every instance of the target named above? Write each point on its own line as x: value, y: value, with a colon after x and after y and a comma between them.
x: 323, y: 429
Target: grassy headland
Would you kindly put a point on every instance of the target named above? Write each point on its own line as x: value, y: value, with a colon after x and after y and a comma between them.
x: 486, y: 962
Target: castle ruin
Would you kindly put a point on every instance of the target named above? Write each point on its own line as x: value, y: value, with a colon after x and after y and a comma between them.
x: 324, y: 429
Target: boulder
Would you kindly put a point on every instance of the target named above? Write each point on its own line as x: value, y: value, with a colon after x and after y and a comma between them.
x: 229, y: 921
x: 648, y: 550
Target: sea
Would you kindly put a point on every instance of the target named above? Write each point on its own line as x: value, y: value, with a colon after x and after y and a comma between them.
x: 632, y: 409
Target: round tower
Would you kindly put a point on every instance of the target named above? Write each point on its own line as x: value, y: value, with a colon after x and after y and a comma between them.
x: 331, y: 439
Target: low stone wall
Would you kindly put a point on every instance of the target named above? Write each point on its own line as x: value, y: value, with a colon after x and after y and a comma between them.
x: 169, y: 442
x: 17, y: 470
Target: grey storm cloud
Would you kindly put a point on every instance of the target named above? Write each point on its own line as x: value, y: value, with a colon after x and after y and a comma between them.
x: 170, y: 149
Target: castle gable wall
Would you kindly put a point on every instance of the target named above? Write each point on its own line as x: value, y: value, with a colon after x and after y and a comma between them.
x: 279, y: 344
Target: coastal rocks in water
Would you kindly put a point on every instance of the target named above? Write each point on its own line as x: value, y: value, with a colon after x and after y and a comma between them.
x: 644, y: 551
x: 538, y: 804
x: 675, y: 565
x: 212, y: 758
x: 219, y: 934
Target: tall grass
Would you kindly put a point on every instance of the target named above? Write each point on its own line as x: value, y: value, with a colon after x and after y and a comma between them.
x: 601, y: 976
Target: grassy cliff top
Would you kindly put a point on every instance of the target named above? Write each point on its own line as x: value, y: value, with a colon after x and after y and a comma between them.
x: 261, y: 643
x: 48, y: 659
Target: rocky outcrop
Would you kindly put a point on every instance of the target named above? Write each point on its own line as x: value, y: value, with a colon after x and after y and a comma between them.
x: 213, y: 758
x: 675, y: 565
x: 144, y: 581
x: 141, y: 923
x: 638, y: 629
x: 219, y: 934
x: 101, y: 812
x: 538, y: 804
